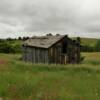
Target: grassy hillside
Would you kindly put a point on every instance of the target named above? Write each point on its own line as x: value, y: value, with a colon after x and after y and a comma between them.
x: 89, y: 41
x: 24, y: 81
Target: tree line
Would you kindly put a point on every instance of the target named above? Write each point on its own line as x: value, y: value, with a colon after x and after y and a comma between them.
x: 88, y: 48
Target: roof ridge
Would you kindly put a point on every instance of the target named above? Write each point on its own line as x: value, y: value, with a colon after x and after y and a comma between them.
x: 44, y: 41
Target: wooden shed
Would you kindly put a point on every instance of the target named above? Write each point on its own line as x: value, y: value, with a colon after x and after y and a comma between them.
x: 58, y: 49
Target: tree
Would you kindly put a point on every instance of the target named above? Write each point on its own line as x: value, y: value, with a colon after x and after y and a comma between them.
x: 97, y: 46
x: 79, y: 39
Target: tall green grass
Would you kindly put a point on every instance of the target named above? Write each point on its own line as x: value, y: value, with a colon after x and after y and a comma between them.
x: 26, y: 81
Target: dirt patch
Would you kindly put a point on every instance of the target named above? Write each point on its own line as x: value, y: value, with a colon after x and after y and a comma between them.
x: 3, y: 62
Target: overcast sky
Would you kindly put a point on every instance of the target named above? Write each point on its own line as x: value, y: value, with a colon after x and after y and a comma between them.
x: 36, y: 17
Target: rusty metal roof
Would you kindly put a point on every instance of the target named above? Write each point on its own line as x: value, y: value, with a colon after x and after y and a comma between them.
x: 43, y: 41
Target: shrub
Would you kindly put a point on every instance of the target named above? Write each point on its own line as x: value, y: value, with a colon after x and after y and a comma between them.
x: 97, y: 46
x: 7, y: 47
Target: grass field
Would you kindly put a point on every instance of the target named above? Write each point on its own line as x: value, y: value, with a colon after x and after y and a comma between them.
x: 25, y: 81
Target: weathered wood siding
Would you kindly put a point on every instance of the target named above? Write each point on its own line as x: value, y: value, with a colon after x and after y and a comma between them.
x: 35, y: 55
x: 72, y: 55
x: 54, y: 54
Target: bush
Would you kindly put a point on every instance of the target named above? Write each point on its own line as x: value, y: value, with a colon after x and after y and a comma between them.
x: 97, y: 46
x: 7, y: 47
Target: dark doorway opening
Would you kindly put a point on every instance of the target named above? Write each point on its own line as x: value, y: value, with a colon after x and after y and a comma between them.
x: 64, y: 47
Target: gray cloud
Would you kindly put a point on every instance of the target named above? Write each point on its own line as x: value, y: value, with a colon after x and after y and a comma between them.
x: 60, y: 16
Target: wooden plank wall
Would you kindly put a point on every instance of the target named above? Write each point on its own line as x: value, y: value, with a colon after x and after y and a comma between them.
x: 52, y: 55
x: 35, y: 55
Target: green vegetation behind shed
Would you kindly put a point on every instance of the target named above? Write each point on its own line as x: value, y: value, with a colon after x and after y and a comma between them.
x: 89, y: 41
x: 14, y: 45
